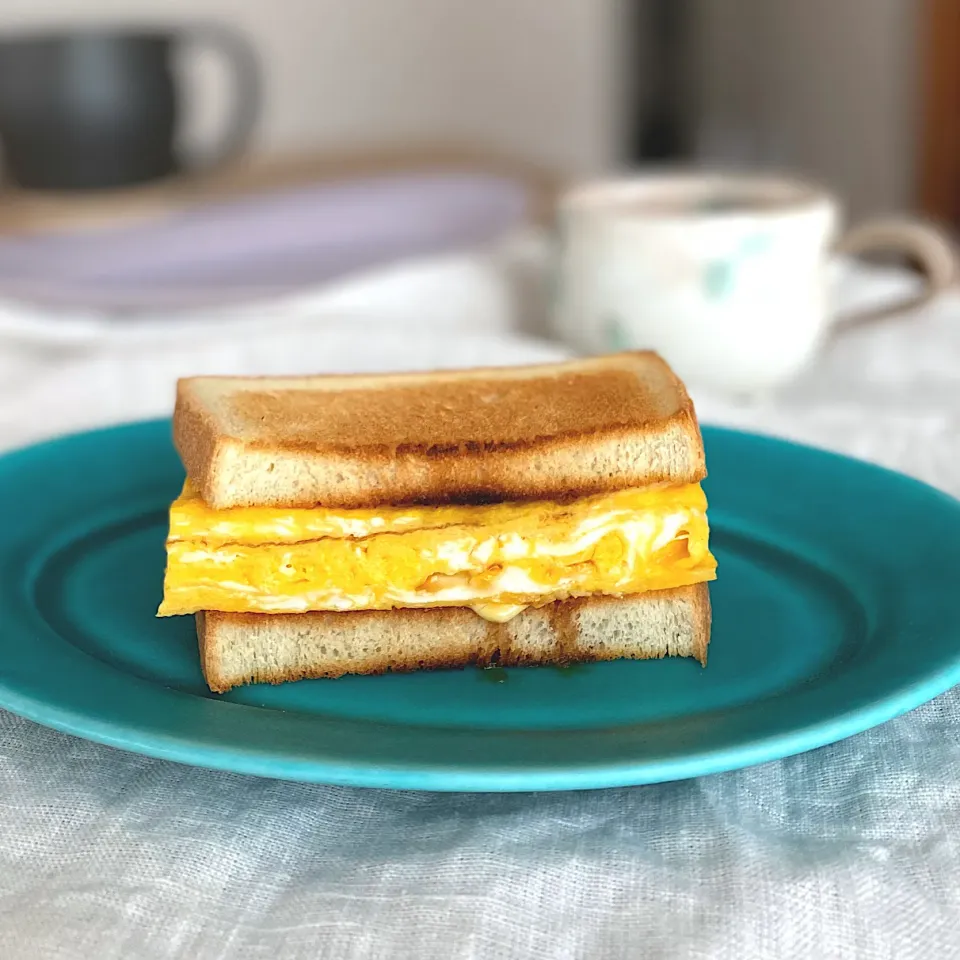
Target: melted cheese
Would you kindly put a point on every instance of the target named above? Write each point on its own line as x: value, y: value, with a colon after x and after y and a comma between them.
x: 497, y: 558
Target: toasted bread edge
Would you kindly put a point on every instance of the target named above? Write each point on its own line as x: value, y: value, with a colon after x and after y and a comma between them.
x: 236, y: 649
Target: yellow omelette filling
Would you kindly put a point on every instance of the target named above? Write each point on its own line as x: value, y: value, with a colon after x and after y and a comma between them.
x: 496, y: 559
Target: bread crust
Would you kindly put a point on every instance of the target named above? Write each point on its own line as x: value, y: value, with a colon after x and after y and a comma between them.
x: 262, y: 442
x: 655, y: 624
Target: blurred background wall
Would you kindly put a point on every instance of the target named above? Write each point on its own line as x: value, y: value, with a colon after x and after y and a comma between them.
x: 535, y: 77
x: 829, y: 87
x: 823, y: 86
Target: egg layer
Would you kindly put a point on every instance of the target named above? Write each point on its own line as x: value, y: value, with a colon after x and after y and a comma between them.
x: 496, y: 558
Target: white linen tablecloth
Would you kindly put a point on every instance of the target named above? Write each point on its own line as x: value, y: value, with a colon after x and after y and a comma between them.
x: 851, y: 851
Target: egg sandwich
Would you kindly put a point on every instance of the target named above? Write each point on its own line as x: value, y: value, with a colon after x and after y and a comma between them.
x: 360, y: 524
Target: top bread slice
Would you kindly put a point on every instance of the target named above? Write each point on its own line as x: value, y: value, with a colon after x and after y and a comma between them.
x: 548, y: 431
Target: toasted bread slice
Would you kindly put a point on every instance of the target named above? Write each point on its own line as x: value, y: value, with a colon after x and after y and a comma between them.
x: 238, y: 648
x: 546, y: 431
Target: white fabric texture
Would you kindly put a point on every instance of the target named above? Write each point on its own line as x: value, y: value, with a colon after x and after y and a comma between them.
x: 850, y: 851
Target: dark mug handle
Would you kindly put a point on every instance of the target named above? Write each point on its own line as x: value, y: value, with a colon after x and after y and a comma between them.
x: 247, y: 89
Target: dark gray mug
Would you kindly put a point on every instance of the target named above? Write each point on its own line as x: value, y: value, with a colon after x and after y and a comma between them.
x: 97, y: 108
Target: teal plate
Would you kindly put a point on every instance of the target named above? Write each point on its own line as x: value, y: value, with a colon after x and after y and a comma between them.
x: 834, y: 611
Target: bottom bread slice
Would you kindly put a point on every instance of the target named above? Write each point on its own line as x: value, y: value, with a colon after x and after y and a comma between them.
x: 238, y: 648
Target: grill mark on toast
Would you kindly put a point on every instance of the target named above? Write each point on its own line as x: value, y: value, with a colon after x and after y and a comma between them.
x: 497, y: 647
x: 563, y: 619
x: 472, y: 446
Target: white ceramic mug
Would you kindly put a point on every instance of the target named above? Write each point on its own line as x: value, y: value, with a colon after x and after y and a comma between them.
x: 724, y: 275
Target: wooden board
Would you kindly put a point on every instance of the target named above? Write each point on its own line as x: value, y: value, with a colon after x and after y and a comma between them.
x: 23, y: 212
x: 939, y: 157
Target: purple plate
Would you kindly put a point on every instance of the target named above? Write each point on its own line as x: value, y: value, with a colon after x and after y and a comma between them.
x: 263, y: 246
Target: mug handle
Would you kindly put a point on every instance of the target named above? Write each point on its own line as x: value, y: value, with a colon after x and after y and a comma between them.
x: 925, y: 243
x: 247, y: 88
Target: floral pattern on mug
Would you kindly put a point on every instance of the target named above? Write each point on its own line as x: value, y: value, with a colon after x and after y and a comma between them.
x: 615, y: 334
x: 719, y: 276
